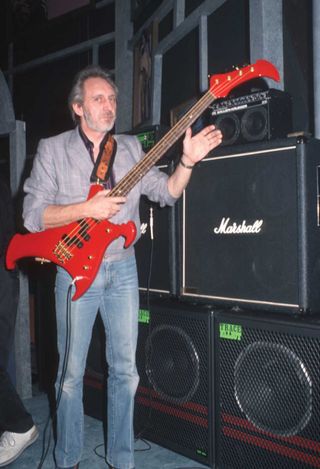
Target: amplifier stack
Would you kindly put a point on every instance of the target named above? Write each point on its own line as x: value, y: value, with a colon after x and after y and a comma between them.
x: 228, y: 362
x: 248, y: 227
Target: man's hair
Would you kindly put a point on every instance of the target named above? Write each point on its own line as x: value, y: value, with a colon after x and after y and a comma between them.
x: 76, y: 93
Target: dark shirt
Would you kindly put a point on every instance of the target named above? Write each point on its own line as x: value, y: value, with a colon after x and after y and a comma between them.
x: 109, y: 184
x: 88, y: 144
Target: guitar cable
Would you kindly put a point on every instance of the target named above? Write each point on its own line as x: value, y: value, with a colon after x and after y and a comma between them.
x: 147, y: 423
x: 151, y: 235
x: 46, y: 445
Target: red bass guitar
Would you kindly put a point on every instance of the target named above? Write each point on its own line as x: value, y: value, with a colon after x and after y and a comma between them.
x: 80, y: 246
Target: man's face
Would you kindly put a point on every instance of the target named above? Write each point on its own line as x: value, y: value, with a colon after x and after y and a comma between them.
x: 98, y: 111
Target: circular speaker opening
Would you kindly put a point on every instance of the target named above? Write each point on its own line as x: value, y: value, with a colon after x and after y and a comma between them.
x: 254, y: 124
x: 172, y: 363
x: 273, y: 388
x: 229, y: 124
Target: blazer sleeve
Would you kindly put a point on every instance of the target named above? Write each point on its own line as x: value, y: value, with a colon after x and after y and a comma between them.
x: 40, y: 188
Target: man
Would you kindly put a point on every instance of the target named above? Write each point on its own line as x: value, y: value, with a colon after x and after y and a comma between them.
x: 16, y: 424
x: 57, y: 193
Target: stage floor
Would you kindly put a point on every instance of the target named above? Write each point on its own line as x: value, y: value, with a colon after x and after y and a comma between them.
x: 148, y: 455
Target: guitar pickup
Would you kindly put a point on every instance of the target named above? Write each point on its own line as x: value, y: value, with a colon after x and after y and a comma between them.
x: 71, y: 241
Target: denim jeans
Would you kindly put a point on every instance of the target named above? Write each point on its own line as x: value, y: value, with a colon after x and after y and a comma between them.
x: 115, y: 293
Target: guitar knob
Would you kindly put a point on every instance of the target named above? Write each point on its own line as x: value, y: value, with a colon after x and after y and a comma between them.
x: 86, y: 267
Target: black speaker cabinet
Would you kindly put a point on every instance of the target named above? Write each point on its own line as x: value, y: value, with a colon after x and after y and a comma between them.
x: 264, y: 115
x: 250, y: 227
x: 153, y: 249
x: 174, y: 398
x: 42, y: 282
x: 267, y: 390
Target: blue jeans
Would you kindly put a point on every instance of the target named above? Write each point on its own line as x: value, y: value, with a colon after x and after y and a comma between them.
x: 115, y: 293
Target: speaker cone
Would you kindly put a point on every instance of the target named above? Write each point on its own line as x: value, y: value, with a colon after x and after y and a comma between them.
x: 230, y: 127
x: 273, y: 388
x: 254, y: 124
x: 172, y: 363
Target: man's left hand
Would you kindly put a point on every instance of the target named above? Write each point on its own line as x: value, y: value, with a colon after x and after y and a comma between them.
x: 196, y: 147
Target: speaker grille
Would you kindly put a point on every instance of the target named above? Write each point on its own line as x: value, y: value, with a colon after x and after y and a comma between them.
x: 268, y: 395
x: 174, y: 397
x: 245, y: 189
x: 254, y: 124
x: 273, y: 388
x: 172, y: 363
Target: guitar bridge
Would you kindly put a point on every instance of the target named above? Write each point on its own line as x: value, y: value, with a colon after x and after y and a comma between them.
x: 62, y: 253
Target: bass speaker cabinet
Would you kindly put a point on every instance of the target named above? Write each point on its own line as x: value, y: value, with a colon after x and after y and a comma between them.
x: 174, y: 398
x: 267, y: 390
x: 153, y: 249
x: 250, y: 227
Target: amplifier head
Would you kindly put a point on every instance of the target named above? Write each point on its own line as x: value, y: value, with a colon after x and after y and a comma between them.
x: 263, y: 115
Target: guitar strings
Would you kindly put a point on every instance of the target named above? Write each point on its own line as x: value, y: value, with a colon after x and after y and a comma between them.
x: 140, y: 169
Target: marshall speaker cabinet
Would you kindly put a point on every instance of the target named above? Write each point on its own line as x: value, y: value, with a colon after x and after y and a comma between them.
x: 267, y: 390
x: 251, y: 228
x: 174, y: 359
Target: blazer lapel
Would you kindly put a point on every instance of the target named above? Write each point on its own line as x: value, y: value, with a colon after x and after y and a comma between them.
x: 78, y: 151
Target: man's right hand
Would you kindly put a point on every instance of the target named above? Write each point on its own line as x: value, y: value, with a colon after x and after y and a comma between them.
x: 102, y: 207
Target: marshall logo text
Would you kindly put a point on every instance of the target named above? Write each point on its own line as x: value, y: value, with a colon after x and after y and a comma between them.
x: 238, y: 228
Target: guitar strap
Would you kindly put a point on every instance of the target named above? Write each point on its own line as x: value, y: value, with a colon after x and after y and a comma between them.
x: 103, y: 165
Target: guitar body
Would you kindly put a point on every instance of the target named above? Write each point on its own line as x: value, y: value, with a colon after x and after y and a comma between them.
x: 80, y: 254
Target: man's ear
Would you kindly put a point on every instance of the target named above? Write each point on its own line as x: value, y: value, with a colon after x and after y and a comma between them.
x: 77, y: 109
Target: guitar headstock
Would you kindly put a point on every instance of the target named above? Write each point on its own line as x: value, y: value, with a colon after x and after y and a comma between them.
x: 222, y: 84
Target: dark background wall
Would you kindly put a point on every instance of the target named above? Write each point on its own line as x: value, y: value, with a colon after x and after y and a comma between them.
x: 298, y: 51
x: 40, y: 93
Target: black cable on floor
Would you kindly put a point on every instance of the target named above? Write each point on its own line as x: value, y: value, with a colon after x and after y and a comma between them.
x: 46, y: 445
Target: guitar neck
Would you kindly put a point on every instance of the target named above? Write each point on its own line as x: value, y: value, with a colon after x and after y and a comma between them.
x: 158, y: 150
